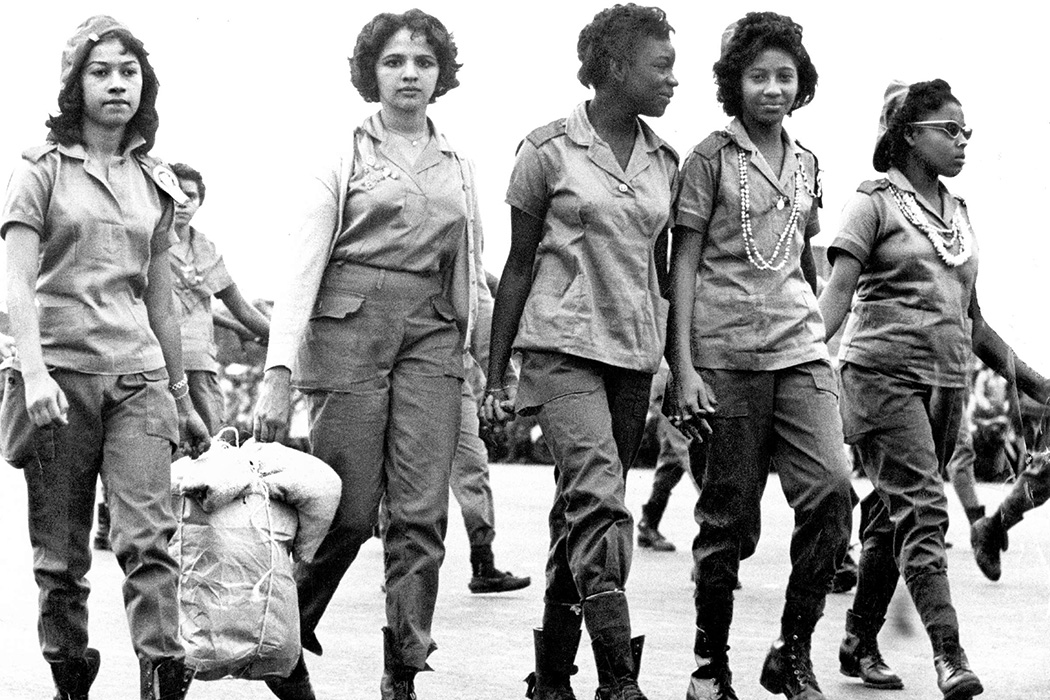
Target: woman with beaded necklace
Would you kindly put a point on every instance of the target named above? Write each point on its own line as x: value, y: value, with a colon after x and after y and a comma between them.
x: 906, y: 250
x: 748, y: 356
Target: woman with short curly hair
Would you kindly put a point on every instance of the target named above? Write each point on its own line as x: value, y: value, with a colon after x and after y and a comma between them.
x: 747, y: 353
x: 580, y: 296
x: 383, y: 294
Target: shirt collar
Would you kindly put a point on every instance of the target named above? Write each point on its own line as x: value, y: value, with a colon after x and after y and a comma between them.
x: 375, y: 128
x: 580, y: 131
x: 897, y: 178
x: 738, y: 133
x: 77, y: 150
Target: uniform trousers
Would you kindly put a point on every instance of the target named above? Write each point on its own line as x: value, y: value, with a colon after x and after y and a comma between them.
x: 911, y: 432
x: 121, y: 428
x: 594, y: 437
x: 390, y: 436
x: 470, y: 469
x: 787, y: 419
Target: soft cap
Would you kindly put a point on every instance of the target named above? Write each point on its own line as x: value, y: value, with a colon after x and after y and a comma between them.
x: 80, y: 44
x: 896, y: 93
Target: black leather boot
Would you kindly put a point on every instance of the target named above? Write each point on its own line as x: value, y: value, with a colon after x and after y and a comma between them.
x: 487, y: 578
x: 954, y: 678
x: 712, y: 679
x: 296, y: 686
x: 164, y: 679
x: 788, y: 669
x: 556, y: 644
x: 73, y: 677
x: 859, y: 655
x: 399, y: 681
x: 617, y: 656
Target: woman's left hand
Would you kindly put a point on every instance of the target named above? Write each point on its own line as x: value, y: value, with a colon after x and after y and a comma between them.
x: 498, y: 407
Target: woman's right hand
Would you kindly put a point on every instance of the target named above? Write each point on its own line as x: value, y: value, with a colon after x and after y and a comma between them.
x: 45, y: 400
x: 498, y: 407
x: 690, y: 402
x: 274, y: 406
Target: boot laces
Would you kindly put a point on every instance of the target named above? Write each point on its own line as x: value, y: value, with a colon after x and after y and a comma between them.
x: 800, y: 661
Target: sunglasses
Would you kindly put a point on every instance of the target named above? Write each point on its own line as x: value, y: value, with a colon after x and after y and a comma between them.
x: 948, y: 126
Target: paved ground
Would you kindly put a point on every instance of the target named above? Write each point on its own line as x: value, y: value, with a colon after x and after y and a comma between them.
x: 485, y: 641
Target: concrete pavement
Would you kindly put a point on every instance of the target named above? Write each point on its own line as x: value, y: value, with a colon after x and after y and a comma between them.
x: 486, y: 643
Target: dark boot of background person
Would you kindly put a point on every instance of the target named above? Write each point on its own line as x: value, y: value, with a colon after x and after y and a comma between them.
x: 988, y: 535
x: 556, y: 644
x: 73, y: 677
x: 649, y: 535
x: 712, y: 679
x: 102, y: 529
x: 859, y: 655
x: 164, y: 679
x: 296, y: 686
x: 954, y: 678
x: 788, y: 669
x: 617, y: 657
x: 487, y: 578
x: 399, y: 681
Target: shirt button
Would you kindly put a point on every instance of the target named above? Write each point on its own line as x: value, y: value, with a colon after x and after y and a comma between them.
x: 370, y: 161
x: 622, y: 187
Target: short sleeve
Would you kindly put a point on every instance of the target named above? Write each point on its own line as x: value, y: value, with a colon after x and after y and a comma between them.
x: 695, y: 193
x: 28, y: 196
x: 527, y: 190
x: 164, y: 235
x: 216, y: 276
x: 858, y: 230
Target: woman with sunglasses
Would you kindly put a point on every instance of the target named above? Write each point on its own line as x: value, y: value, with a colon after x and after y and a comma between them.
x: 906, y: 249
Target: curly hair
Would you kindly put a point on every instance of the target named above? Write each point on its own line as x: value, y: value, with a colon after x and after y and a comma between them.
x: 613, y: 36
x: 65, y: 127
x: 188, y: 172
x: 922, y: 99
x: 377, y: 33
x: 752, y: 35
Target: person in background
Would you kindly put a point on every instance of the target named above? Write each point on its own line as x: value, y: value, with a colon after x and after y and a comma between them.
x: 380, y: 305
x: 581, y: 298
x: 88, y: 222
x: 198, y: 273
x: 748, y: 355
x: 470, y: 469
x: 905, y: 260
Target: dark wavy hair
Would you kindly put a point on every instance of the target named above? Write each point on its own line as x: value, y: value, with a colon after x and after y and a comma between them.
x: 188, y: 172
x: 923, y: 98
x: 373, y: 38
x: 613, y: 36
x: 66, y: 125
x: 753, y: 34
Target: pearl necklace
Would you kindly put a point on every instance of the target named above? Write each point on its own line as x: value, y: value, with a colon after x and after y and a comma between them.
x: 943, y: 239
x: 757, y: 260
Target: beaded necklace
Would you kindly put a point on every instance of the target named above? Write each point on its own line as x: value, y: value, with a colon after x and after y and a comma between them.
x: 943, y: 239
x: 757, y: 260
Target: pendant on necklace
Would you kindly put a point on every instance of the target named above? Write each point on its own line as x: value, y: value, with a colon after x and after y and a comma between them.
x: 781, y: 203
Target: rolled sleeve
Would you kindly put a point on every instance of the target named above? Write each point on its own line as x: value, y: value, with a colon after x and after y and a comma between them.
x: 696, y: 188
x: 28, y: 196
x: 858, y: 231
x: 528, y: 182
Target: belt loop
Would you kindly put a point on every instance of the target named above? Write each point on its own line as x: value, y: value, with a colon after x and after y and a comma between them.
x: 380, y: 278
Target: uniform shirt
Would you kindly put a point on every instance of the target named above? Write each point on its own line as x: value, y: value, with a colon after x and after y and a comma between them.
x: 745, y: 318
x: 910, y: 316
x: 594, y: 292
x: 98, y: 231
x: 198, y: 272
x: 420, y: 209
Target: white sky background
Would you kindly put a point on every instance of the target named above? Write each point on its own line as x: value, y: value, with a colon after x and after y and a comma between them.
x: 255, y: 98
